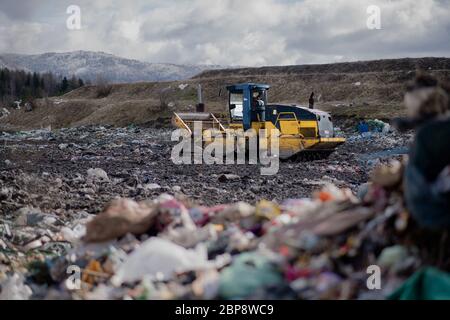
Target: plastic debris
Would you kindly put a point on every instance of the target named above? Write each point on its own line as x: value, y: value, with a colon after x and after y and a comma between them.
x: 92, y: 272
x: 161, y: 259
x: 207, y: 284
x: 233, y: 213
x: 14, y: 288
x: 73, y: 234
x: 228, y: 177
x: 97, y: 174
x: 248, y: 272
x: 122, y: 216
x: 267, y: 209
x: 392, y: 256
x: 426, y: 284
x: 388, y: 176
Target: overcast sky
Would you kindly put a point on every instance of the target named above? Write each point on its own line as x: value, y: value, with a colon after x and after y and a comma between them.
x: 230, y: 32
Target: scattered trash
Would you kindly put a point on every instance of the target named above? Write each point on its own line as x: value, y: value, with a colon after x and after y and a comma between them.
x: 4, y: 113
x: 234, y: 212
x: 388, y: 176
x: 375, y: 125
x: 248, y: 272
x: 97, y: 173
x: 391, y: 257
x: 207, y: 284
x: 73, y: 235
x: 378, y: 126
x: 13, y: 288
x: 167, y: 248
x: 363, y: 127
x: 28, y: 107
x: 160, y: 259
x: 122, y: 216
x: 228, y: 177
x: 17, y: 104
x: 267, y: 210
x: 426, y: 284
x: 152, y: 186
x: 93, y: 272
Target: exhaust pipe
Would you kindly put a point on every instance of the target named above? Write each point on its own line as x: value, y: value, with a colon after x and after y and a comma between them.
x: 200, y: 107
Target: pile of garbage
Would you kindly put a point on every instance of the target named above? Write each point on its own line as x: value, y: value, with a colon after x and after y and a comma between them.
x: 321, y: 247
x: 365, y: 127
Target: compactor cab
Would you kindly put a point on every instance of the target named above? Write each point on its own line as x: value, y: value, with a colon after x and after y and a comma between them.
x: 243, y: 103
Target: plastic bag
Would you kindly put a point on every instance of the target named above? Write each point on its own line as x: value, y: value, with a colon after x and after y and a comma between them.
x: 248, y: 273
x: 426, y: 284
x: 160, y: 258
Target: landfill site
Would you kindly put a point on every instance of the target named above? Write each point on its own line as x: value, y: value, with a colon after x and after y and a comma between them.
x: 92, y: 205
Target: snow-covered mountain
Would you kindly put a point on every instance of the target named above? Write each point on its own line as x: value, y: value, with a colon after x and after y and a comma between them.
x: 90, y: 65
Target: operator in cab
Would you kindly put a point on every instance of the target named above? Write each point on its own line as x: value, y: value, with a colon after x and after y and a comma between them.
x: 259, y: 106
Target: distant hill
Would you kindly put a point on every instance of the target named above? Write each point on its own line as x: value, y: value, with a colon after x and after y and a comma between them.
x: 89, y: 65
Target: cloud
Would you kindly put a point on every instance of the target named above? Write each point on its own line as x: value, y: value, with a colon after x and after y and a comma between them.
x: 231, y: 32
x: 11, y: 10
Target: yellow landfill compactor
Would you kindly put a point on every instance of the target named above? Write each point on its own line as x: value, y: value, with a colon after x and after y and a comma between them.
x: 303, y: 133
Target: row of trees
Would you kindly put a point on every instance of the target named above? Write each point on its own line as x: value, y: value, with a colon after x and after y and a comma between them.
x: 26, y: 86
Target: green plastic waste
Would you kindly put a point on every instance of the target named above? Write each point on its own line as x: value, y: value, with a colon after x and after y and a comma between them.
x: 248, y: 273
x: 426, y: 284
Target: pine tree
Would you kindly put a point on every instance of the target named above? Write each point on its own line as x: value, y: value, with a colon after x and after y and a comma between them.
x: 64, y: 85
x: 35, y: 90
x: 73, y: 83
x: 18, y: 84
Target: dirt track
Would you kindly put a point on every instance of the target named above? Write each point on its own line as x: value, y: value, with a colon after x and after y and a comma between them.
x: 48, y: 170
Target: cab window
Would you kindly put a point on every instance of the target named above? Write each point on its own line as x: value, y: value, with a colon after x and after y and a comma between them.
x: 236, y: 101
